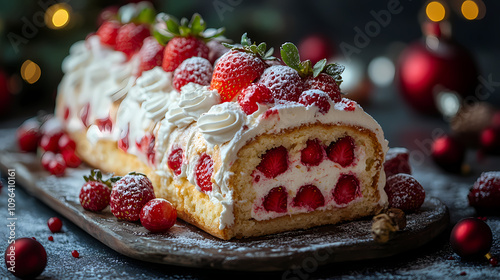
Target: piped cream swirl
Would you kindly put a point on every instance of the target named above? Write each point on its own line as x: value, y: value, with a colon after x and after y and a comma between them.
x: 221, y: 123
x: 197, y: 99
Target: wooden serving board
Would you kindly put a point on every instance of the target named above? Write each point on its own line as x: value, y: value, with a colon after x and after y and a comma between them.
x: 186, y: 245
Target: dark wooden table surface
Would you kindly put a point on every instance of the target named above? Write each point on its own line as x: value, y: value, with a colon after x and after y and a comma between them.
x: 402, y: 128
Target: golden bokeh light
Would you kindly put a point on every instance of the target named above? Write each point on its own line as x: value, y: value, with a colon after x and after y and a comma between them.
x: 435, y: 11
x: 58, y: 16
x: 470, y: 10
x: 30, y: 72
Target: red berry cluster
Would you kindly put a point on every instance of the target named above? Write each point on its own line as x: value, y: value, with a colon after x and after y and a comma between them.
x: 130, y: 198
x: 57, y: 147
x: 403, y: 190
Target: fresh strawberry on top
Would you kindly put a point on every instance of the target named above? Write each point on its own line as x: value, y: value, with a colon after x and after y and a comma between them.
x: 196, y: 70
x: 108, y: 31
x: 95, y: 192
x: 321, y: 76
x: 137, y: 19
x: 239, y: 67
x: 150, y: 55
x: 130, y: 38
x: 185, y: 39
x: 129, y: 195
x: 284, y: 82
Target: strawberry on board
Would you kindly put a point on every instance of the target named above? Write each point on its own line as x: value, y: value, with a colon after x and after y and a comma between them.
x: 184, y: 39
x: 95, y: 192
x: 322, y: 76
x: 239, y: 67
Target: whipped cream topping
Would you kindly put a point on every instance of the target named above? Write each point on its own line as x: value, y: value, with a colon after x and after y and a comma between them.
x: 145, y: 106
x: 94, y: 74
x: 197, y: 99
x: 221, y: 123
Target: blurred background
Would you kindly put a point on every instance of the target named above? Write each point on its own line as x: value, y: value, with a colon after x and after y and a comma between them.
x: 427, y: 57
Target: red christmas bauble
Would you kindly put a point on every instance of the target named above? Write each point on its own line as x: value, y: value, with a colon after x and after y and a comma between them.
x: 448, y: 153
x: 471, y: 237
x: 315, y: 47
x: 25, y: 258
x: 5, y: 95
x: 490, y: 140
x: 430, y: 66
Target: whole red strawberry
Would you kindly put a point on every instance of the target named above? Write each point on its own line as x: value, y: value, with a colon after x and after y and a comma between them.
x: 158, y: 215
x: 185, y: 40
x: 129, y: 195
x: 131, y: 37
x: 239, y: 67
x: 252, y: 95
x: 150, y: 55
x: 404, y: 192
x: 196, y: 70
x: 95, y: 192
x: 485, y: 193
x: 179, y: 49
x: 397, y: 161
x: 108, y: 32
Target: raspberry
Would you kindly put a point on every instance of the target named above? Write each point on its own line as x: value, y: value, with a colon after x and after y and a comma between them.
x: 158, y: 215
x: 196, y: 70
x: 314, y: 97
x: 129, y: 195
x: 404, y: 192
x: 284, y: 82
x: 485, y: 193
x: 252, y: 95
x: 325, y: 83
x: 397, y: 161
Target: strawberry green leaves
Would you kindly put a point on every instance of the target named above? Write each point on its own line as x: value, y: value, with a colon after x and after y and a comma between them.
x: 96, y: 175
x: 142, y: 12
x: 247, y: 46
x: 168, y: 27
x: 290, y: 55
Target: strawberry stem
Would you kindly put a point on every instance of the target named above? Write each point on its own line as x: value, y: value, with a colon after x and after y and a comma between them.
x: 253, y: 48
x: 290, y: 55
x: 96, y: 175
